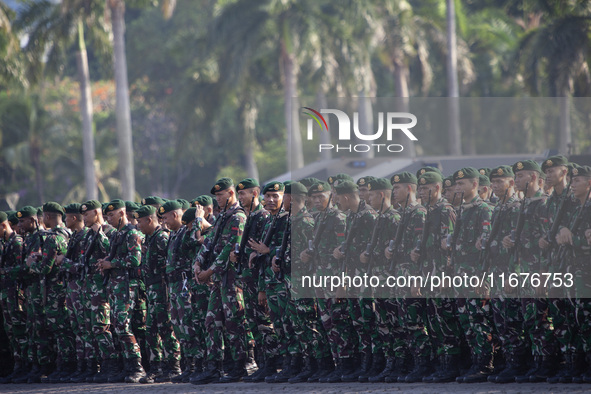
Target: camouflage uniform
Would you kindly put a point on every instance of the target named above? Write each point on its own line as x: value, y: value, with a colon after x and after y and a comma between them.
x: 160, y: 332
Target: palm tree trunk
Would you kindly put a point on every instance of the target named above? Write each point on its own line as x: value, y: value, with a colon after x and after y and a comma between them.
x: 249, y: 117
x: 454, y: 132
x: 123, y: 115
x: 321, y: 102
x: 364, y: 108
x: 565, y: 132
x: 401, y: 73
x: 295, y: 156
x: 86, y: 113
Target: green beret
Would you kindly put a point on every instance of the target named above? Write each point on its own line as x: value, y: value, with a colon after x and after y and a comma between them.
x: 40, y: 211
x: 554, y: 161
x: 466, y: 173
x: 429, y: 178
x: 403, y: 177
x: 222, y: 184
x: 145, y: 210
x: 309, y: 181
x: 184, y: 203
x: 153, y: 200
x: 580, y: 171
x: 448, y: 182
x: 168, y: 206
x: 131, y: 206
x: 484, y: 171
x: 296, y: 188
x: 365, y: 180
x: 274, y: 187
x: 53, y: 207
x: 319, y: 187
x: 501, y: 172
x: 426, y: 169
x: 341, y: 176
x: 526, y: 165
x: 287, y: 183
x: 247, y: 184
x: 483, y: 180
x: 12, y: 217
x: 570, y: 167
x: 379, y: 184
x: 90, y: 205
x: 345, y: 187
x: 203, y: 200
x: 114, y: 205
x: 72, y: 208
x: 189, y: 215
x: 3, y: 217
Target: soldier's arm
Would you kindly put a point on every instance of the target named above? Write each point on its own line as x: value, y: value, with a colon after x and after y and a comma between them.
x: 15, y: 271
x: 161, y: 245
x: 133, y: 257
x: 232, y: 234
x: 50, y: 252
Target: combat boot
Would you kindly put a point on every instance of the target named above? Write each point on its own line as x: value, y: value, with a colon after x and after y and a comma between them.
x: 326, y: 367
x: 484, y: 369
x: 155, y: 370
x: 334, y: 375
x: 449, y: 370
x: 310, y: 365
x: 135, y: 370
x: 251, y: 364
x: 473, y: 368
x: 170, y: 371
x: 119, y: 369
x: 585, y: 377
x: 79, y: 370
x: 422, y: 369
x: 16, y: 370
x: 236, y: 374
x: 515, y: 366
x: 24, y: 376
x: 284, y: 367
x: 378, y: 363
x: 548, y: 368
x: 41, y: 373
x: 402, y: 367
x: 295, y: 367
x: 362, y: 369
x: 55, y: 374
x: 388, y: 368
x: 187, y: 371
x: 212, y: 372
x: 268, y: 368
x: 90, y: 369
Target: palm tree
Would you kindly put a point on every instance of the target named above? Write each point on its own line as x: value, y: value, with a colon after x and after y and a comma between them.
x: 454, y: 132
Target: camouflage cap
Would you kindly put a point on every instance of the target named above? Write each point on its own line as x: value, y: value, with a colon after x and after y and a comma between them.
x: 580, y: 171
x: 429, y: 178
x: 203, y: 200
x: 466, y: 173
x: 145, y: 210
x: 379, y: 184
x: 3, y: 217
x: 274, y: 187
x: 404, y: 177
x: 189, y: 215
x: 90, y: 205
x: 72, y: 208
x: 153, y: 200
x: 53, y: 207
x: 114, y: 205
x: 169, y: 206
x: 247, y: 184
x: 131, y: 206
x: 526, y: 165
x: 319, y: 187
x: 26, y: 212
x: 296, y: 188
x: 309, y: 181
x: 345, y: 187
x: 554, y: 161
x: 501, y: 172
x: 426, y: 169
x: 221, y: 185
x: 483, y: 180
x: 184, y: 203
x: 364, y: 180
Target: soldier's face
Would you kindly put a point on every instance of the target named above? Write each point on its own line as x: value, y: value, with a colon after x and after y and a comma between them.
x: 580, y: 186
x: 342, y: 201
x: 90, y: 217
x: 555, y: 175
x: 245, y: 197
x: 286, y: 201
x: 374, y: 198
x: 26, y: 225
x: 399, y: 193
x: 70, y: 220
x: 319, y: 200
x: 522, y: 178
x: 465, y: 185
x: 145, y: 225
x: 172, y: 219
x: 223, y: 196
x: 364, y: 193
x: 273, y: 200
x: 499, y: 185
x: 114, y: 216
x: 423, y: 192
x: 3, y: 226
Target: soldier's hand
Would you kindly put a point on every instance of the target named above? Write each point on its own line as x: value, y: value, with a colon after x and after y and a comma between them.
x: 233, y: 257
x: 337, y: 254
x: 263, y: 299
x: 59, y: 259
x: 103, y: 265
x: 479, y: 243
x: 415, y: 292
x: 304, y: 256
x: 363, y: 258
x: 199, y: 211
x: 588, y: 236
x: 204, y: 276
x: 250, y: 258
x: 543, y: 244
x: 274, y: 265
x: 564, y: 236
x: 259, y: 246
x: 414, y: 256
x: 507, y: 243
x: 95, y: 227
x: 387, y: 253
x: 444, y: 244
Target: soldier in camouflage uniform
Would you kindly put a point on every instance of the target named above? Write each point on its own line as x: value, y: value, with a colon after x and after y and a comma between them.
x: 386, y: 308
x: 11, y: 297
x: 333, y: 312
x: 474, y: 313
x: 257, y: 315
x: 178, y: 269
x: 54, y: 328
x: 225, y: 309
x: 362, y: 184
x: 443, y: 324
x: 69, y: 270
x: 124, y: 283
x: 360, y: 223
x: 161, y: 340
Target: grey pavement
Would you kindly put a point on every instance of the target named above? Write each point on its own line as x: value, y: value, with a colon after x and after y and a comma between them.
x: 337, y: 388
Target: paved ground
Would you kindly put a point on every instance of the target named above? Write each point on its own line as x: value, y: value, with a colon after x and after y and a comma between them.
x: 339, y: 388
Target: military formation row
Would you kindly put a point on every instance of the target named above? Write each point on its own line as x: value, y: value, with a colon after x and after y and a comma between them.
x: 191, y: 292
